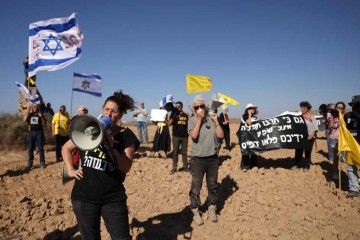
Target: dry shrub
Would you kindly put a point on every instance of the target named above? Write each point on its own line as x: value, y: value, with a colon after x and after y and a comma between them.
x: 14, y: 133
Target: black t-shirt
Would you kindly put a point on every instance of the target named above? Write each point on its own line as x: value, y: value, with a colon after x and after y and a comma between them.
x: 35, y: 122
x: 101, y: 182
x: 180, y: 124
x: 353, y: 125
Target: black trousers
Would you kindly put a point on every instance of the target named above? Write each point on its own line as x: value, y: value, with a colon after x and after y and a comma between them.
x: 115, y: 216
x: 307, y: 159
x: 60, y: 141
x: 177, y: 142
x: 200, y: 167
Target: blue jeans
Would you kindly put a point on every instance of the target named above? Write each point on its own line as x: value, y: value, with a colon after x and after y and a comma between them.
x: 142, y: 127
x: 330, y: 149
x: 36, y: 137
x: 115, y: 216
x: 200, y: 167
x: 353, y: 178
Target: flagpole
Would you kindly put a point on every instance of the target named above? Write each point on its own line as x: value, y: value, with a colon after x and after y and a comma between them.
x: 72, y: 93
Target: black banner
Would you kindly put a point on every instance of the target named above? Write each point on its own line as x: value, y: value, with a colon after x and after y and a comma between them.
x: 286, y: 131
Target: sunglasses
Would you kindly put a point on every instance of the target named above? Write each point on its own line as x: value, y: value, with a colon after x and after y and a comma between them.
x: 340, y: 108
x: 202, y: 106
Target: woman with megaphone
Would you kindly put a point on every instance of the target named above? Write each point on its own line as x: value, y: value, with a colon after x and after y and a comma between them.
x: 98, y: 190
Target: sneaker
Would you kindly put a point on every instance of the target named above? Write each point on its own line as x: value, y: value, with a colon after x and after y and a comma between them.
x: 173, y: 171
x: 244, y: 170
x: 306, y: 169
x: 352, y: 194
x: 197, y: 217
x: 29, y: 165
x: 294, y: 167
x: 212, y: 213
x: 187, y: 170
x: 42, y: 165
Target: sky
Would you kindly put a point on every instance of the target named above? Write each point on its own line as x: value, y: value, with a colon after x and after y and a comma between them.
x: 273, y: 54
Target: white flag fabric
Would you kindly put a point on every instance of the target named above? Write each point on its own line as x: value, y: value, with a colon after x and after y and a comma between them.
x: 53, y: 44
x: 25, y: 92
x: 87, y: 83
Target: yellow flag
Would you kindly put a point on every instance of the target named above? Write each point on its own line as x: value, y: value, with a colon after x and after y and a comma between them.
x: 197, y: 84
x: 228, y: 99
x: 349, y: 144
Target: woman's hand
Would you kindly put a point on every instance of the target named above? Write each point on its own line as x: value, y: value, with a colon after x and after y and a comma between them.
x: 76, y: 173
x: 200, y: 114
x: 213, y: 117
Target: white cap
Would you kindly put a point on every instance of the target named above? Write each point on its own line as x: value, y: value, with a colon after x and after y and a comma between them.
x: 250, y: 105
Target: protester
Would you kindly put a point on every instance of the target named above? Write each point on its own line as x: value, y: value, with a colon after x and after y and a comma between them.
x: 141, y: 118
x: 204, y: 129
x: 340, y: 106
x: 36, y: 123
x: 330, y: 106
x: 352, y: 120
x: 60, y: 129
x: 248, y: 118
x: 333, y: 135
x: 49, y: 109
x: 179, y: 121
x: 81, y: 110
x: 312, y: 128
x: 162, y: 140
x: 225, y: 125
x: 98, y: 191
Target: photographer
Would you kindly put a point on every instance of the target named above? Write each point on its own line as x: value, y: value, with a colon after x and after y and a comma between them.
x: 352, y: 120
x: 324, y: 110
x: 179, y: 121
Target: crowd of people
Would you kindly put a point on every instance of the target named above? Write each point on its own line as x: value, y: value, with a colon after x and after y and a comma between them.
x: 207, y: 131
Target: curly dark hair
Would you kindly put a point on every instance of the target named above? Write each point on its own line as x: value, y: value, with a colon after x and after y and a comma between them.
x: 336, y: 105
x: 124, y: 101
x: 305, y: 104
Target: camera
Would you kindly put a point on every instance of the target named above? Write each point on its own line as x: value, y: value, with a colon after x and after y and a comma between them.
x: 323, y: 109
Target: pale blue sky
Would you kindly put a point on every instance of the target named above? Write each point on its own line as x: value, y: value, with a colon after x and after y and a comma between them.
x: 271, y: 53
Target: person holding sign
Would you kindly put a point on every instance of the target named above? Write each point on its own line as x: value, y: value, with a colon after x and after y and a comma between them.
x: 204, y: 129
x: 312, y: 128
x: 249, y: 117
x: 162, y: 139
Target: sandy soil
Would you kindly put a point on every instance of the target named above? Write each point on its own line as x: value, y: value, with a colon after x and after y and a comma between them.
x: 268, y: 202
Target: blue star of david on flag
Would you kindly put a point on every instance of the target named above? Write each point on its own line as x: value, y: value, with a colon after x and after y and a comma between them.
x: 48, y: 44
x: 53, y: 44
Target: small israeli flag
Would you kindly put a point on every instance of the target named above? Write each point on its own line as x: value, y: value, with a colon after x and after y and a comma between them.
x: 53, y: 44
x: 34, y: 98
x: 87, y: 83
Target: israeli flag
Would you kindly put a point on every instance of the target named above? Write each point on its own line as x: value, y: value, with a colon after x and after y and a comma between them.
x: 53, y: 44
x: 87, y: 83
x: 166, y: 100
x: 34, y: 98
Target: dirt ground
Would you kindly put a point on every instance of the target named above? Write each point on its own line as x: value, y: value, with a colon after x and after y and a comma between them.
x: 268, y: 202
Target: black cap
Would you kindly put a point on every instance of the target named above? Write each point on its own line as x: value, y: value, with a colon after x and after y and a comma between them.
x: 355, y: 99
